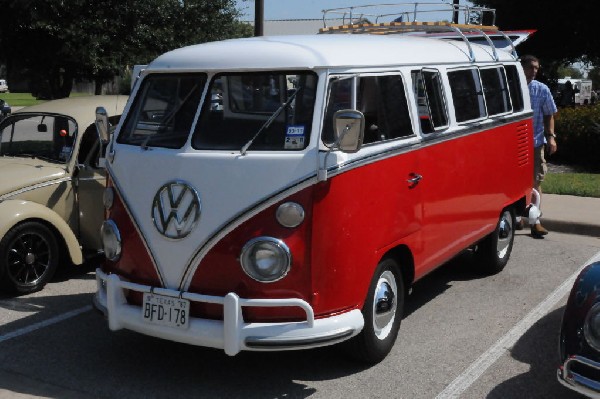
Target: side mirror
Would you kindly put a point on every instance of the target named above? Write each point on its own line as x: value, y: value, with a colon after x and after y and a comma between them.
x: 348, y: 127
x: 102, y: 124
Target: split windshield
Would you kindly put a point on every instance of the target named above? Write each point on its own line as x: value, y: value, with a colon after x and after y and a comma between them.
x: 44, y: 136
x: 269, y: 111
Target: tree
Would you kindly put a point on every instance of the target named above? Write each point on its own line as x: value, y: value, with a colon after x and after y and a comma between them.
x: 54, y: 41
x: 566, y: 31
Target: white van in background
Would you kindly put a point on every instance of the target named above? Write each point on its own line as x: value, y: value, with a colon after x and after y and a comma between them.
x: 3, y: 86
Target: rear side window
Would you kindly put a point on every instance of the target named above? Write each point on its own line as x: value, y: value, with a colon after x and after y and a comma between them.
x: 381, y: 99
x: 495, y: 90
x: 431, y: 102
x: 467, y: 94
x: 164, y: 110
x: 514, y: 86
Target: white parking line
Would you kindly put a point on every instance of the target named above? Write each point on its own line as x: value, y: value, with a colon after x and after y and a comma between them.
x: 479, y: 366
x: 45, y: 323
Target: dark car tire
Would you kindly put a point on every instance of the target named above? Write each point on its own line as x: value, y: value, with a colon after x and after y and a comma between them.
x: 382, y: 314
x: 493, y: 251
x: 29, y: 255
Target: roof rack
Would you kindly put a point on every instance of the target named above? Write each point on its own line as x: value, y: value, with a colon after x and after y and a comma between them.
x: 405, y: 22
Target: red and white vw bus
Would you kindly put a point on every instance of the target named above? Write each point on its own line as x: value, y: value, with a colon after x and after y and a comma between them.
x: 278, y: 193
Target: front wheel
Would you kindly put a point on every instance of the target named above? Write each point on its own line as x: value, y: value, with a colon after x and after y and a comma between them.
x: 28, y: 257
x: 382, y: 313
x: 495, y: 249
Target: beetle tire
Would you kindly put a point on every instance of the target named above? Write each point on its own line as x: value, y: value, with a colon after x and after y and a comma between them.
x: 494, y: 250
x: 29, y: 255
x: 382, y: 316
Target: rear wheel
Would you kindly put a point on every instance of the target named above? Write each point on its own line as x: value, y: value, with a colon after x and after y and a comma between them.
x: 28, y: 257
x: 382, y: 313
x: 494, y: 251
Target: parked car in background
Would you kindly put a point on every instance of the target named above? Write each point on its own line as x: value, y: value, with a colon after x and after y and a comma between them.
x: 5, y: 109
x: 3, y: 86
x: 579, y: 342
x: 51, y: 188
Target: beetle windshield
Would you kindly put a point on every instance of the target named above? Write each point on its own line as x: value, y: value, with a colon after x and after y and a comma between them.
x: 44, y: 136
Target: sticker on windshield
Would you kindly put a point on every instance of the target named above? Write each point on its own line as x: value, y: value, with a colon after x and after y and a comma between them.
x: 294, y: 137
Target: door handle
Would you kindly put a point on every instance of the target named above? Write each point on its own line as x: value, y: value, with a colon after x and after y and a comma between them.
x: 414, y: 179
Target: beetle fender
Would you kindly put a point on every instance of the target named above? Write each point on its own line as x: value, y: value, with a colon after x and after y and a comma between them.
x: 17, y: 211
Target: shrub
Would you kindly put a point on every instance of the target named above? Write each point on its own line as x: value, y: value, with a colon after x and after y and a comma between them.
x: 578, y: 137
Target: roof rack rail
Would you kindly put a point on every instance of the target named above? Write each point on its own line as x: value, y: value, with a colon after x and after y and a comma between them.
x: 474, y: 17
x: 411, y: 12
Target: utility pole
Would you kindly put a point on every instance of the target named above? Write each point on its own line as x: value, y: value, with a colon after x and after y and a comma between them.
x: 259, y: 16
x: 455, y: 12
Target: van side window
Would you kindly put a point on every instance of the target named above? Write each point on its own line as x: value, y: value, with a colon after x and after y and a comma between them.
x: 467, y: 95
x: 514, y: 86
x: 495, y: 90
x: 381, y: 99
x: 431, y: 104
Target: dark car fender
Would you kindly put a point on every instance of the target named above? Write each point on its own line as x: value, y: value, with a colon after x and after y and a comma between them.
x: 584, y: 294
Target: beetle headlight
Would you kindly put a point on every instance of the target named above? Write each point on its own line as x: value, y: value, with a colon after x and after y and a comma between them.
x: 266, y: 259
x: 108, y: 197
x: 591, y: 328
x: 111, y: 240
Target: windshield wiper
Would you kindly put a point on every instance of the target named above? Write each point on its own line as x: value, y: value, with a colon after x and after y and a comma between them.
x: 270, y: 120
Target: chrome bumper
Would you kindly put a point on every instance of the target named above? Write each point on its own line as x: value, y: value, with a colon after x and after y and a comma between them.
x: 579, y: 382
x: 232, y: 333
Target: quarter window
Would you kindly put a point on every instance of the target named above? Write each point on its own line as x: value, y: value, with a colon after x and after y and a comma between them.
x: 514, y: 86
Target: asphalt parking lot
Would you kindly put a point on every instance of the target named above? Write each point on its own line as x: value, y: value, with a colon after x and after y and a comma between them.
x: 462, y: 336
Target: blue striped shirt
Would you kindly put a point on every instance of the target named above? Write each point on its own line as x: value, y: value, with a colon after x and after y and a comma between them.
x: 542, y: 105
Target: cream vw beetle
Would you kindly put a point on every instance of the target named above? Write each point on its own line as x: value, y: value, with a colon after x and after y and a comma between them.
x: 51, y: 183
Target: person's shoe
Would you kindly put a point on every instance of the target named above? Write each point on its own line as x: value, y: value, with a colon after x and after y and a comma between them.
x: 538, y: 231
x: 520, y: 225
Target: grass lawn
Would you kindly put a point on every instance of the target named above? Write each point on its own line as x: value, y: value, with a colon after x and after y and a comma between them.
x: 20, y: 99
x: 578, y: 184
x: 26, y: 99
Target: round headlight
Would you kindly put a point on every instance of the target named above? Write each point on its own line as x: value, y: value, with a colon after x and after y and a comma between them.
x: 591, y: 327
x: 290, y: 214
x: 266, y: 259
x: 111, y: 240
x: 108, y: 197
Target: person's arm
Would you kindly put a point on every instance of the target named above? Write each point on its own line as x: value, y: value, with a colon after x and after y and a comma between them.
x: 549, y: 132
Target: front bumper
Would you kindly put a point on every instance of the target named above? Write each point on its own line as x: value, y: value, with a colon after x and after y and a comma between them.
x: 232, y: 333
x: 580, y: 374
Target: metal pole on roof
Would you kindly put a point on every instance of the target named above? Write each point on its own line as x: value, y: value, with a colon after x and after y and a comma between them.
x: 259, y: 16
x: 455, y: 12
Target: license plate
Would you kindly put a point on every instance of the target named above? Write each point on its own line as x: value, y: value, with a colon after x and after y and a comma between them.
x: 166, y: 310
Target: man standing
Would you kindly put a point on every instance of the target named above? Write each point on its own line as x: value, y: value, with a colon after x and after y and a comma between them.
x: 544, y: 108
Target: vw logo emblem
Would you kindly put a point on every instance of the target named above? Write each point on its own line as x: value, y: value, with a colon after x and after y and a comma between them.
x: 175, y: 209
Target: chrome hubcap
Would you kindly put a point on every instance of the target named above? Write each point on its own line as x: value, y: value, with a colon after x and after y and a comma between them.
x: 505, y: 232
x: 385, y: 304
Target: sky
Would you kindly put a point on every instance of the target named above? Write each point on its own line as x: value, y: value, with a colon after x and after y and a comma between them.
x: 310, y: 9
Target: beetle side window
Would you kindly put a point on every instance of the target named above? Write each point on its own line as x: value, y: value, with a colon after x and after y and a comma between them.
x: 495, y: 90
x: 381, y: 99
x: 467, y: 95
x: 431, y: 104
x: 514, y: 86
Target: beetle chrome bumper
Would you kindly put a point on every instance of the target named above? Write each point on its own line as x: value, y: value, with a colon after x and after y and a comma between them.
x: 580, y: 381
x: 231, y: 334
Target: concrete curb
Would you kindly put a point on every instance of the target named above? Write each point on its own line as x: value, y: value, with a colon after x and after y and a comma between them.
x: 562, y: 226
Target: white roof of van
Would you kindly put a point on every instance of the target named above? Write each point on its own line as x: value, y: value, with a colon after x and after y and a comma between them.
x: 315, y: 51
